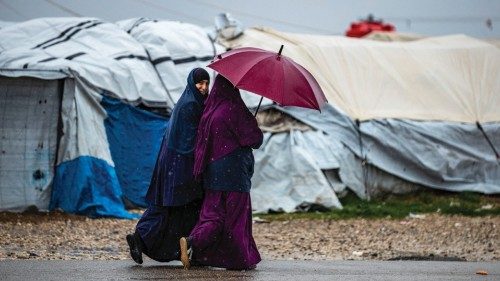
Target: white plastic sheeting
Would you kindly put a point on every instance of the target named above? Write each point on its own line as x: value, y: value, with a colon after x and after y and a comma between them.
x: 287, y: 175
x: 6, y: 23
x: 106, y: 56
x: 450, y: 78
x: 443, y: 155
x: 83, y: 123
x: 175, y: 48
x: 322, y: 158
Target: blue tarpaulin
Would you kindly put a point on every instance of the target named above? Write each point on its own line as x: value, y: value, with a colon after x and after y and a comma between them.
x: 134, y: 137
x: 88, y: 186
x: 91, y: 186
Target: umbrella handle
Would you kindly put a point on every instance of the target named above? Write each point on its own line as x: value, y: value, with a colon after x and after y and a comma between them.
x: 257, y: 110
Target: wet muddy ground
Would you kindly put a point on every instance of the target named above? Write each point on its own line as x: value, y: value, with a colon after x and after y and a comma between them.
x: 430, y: 237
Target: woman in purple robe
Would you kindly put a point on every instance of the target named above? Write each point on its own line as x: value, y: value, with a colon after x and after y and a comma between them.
x: 224, y: 160
x: 174, y: 196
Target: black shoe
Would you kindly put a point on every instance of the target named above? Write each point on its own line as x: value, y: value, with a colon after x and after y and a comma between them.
x: 135, y: 247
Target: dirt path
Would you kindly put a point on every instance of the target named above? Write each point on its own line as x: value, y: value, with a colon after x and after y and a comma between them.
x: 61, y: 236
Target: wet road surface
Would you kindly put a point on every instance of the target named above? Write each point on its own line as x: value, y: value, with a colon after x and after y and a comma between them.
x: 266, y: 270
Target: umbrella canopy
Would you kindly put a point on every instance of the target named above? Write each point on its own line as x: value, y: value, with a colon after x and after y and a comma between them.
x: 270, y: 75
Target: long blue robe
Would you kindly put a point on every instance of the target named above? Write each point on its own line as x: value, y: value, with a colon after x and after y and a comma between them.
x: 174, y: 195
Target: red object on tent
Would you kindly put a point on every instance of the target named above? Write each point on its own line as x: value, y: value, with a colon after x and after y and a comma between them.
x: 364, y: 27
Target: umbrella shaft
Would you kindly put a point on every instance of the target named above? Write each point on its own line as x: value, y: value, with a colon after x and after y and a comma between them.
x: 257, y: 110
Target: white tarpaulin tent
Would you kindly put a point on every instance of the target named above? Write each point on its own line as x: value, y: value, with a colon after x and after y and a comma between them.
x: 106, y: 147
x: 451, y: 78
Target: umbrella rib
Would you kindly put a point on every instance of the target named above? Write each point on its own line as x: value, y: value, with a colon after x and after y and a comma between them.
x: 283, y: 93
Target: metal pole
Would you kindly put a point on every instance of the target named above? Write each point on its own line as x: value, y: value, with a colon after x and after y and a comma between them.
x: 363, y: 159
x: 257, y: 110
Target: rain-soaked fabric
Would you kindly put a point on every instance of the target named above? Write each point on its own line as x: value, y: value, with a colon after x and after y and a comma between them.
x: 232, y: 172
x: 172, y: 183
x: 185, y: 118
x: 226, y: 125
x: 223, y: 235
x: 173, y: 194
x: 161, y: 228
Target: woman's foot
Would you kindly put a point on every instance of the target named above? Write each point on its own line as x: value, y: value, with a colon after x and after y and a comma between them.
x: 135, y: 247
x: 185, y: 251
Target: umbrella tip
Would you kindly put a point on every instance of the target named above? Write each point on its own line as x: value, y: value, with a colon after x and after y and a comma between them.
x: 281, y: 49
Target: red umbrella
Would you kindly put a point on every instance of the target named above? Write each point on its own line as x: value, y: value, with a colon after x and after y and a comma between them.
x: 270, y: 75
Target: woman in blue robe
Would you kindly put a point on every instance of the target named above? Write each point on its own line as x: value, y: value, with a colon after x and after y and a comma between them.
x: 174, y: 196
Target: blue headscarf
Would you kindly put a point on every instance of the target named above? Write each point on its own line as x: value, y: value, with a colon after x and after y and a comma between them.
x: 185, y: 118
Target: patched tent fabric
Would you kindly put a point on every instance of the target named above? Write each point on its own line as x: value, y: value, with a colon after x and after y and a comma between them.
x: 28, y: 182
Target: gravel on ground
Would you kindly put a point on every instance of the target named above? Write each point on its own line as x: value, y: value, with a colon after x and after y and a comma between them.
x: 48, y: 236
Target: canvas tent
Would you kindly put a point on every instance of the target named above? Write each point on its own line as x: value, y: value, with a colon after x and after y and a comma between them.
x: 402, y: 115
x: 95, y: 147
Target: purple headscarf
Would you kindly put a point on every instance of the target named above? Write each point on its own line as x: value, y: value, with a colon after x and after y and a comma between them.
x: 226, y: 125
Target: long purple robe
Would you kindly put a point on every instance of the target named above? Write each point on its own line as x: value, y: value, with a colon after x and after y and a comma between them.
x: 223, y: 235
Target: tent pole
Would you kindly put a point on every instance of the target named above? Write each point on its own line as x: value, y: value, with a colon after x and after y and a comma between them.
x: 257, y: 110
x: 488, y: 140
x: 363, y: 159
